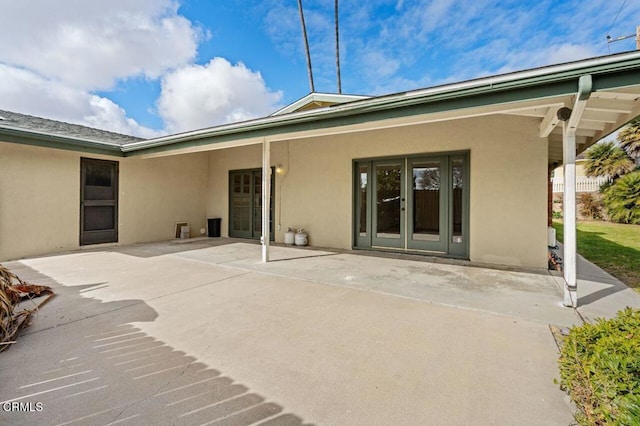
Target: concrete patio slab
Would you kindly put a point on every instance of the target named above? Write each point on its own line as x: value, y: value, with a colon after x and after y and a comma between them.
x: 206, y: 333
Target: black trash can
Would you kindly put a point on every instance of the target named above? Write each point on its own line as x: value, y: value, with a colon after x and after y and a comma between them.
x: 213, y: 227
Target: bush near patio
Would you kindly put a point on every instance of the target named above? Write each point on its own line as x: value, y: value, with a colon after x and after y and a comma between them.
x: 600, y: 370
x: 589, y: 206
x: 619, y: 163
x: 622, y: 199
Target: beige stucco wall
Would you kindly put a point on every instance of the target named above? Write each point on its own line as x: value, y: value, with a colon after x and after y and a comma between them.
x: 40, y: 187
x: 508, y: 169
x: 558, y: 172
x: 40, y: 198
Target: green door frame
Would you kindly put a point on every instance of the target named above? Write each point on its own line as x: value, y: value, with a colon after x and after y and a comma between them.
x: 95, y: 197
x: 255, y: 211
x: 454, y: 194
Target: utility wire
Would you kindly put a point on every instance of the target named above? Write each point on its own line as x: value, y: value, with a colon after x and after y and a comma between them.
x: 612, y: 24
x: 616, y: 18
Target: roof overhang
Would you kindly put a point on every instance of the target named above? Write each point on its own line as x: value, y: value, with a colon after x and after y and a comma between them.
x: 536, y: 93
x: 50, y: 140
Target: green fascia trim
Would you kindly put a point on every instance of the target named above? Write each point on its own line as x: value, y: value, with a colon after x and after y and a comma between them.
x: 441, y: 103
x: 618, y: 80
x: 58, y: 142
x: 564, y: 82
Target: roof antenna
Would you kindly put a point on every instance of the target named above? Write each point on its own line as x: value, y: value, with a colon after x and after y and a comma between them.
x: 306, y: 46
x: 636, y: 35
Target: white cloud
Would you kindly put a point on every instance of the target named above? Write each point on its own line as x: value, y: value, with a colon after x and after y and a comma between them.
x: 89, y: 45
x: 26, y: 92
x: 379, y: 65
x: 198, y: 96
x: 554, y: 54
x: 55, y: 55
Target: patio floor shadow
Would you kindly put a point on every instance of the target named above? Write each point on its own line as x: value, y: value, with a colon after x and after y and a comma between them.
x: 99, y: 368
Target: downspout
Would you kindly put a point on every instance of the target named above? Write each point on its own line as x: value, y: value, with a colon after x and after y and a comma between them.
x: 570, y: 120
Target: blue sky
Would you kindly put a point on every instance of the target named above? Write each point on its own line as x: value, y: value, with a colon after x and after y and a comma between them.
x: 150, y: 67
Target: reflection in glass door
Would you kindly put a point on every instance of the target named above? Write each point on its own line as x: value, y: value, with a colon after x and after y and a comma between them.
x: 459, y: 217
x: 362, y: 213
x: 388, y: 211
x: 413, y: 204
x: 427, y: 202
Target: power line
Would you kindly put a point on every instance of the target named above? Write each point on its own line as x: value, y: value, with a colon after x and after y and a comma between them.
x: 616, y: 18
x: 612, y: 24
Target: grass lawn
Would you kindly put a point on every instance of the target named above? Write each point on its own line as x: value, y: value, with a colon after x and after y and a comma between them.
x: 613, y: 247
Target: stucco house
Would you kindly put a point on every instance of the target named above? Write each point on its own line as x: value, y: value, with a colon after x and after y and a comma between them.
x: 459, y: 170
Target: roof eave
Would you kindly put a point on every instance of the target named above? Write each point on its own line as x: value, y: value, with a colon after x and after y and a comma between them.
x: 48, y: 140
x: 522, y: 80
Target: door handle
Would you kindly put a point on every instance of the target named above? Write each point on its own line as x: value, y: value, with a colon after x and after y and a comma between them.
x: 402, y: 209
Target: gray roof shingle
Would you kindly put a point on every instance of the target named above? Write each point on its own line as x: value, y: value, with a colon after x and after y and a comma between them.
x: 59, y: 128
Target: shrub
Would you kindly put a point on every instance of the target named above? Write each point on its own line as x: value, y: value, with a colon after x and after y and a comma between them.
x: 590, y: 206
x: 600, y: 369
x: 622, y: 199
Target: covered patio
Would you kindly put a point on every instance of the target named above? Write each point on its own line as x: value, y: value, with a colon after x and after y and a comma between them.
x: 571, y: 105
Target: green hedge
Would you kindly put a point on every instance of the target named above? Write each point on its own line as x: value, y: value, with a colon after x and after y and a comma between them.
x: 600, y: 369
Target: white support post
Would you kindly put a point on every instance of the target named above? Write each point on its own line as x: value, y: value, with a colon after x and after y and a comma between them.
x: 569, y: 215
x: 266, y: 197
x: 570, y: 124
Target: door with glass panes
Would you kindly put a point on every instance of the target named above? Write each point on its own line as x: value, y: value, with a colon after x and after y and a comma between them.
x: 245, y: 204
x: 417, y: 203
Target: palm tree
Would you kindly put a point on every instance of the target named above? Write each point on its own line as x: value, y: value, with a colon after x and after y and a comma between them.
x: 622, y: 199
x: 306, y: 46
x: 629, y: 138
x: 607, y: 159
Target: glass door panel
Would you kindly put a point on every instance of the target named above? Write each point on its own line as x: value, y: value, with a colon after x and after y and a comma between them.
x: 459, y: 209
x: 427, y: 204
x: 257, y: 204
x: 240, y: 210
x: 363, y: 212
x: 388, y: 211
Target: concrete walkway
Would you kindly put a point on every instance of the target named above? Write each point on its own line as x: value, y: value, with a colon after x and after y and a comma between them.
x: 203, y: 333
x: 600, y: 295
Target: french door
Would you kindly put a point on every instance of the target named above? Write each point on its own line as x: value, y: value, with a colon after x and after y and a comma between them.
x: 245, y: 204
x: 413, y: 204
x: 98, y: 201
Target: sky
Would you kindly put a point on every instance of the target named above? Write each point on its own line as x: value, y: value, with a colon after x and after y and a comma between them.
x: 153, y: 67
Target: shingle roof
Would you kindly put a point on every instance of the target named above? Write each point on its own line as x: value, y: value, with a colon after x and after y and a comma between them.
x: 59, y: 128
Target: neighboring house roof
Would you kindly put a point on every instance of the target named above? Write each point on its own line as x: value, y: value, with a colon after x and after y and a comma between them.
x: 43, y: 125
x: 317, y: 100
x: 613, y: 99
x: 30, y: 127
